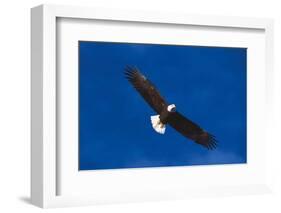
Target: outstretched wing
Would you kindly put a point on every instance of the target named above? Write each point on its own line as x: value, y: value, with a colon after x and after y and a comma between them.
x: 192, y: 130
x: 146, y: 89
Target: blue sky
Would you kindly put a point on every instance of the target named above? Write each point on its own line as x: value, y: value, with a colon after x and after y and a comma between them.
x: 207, y: 84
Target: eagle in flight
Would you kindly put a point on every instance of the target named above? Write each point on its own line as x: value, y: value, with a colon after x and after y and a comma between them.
x: 167, y: 113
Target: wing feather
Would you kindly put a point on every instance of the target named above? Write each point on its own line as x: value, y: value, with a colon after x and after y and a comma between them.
x: 192, y: 131
x: 146, y: 89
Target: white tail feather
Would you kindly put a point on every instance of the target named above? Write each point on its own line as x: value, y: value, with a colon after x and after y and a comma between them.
x: 157, y: 125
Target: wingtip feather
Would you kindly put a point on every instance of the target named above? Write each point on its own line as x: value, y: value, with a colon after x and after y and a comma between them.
x: 209, y: 142
x: 129, y: 72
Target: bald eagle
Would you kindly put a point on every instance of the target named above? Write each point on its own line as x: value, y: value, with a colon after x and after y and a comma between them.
x: 167, y: 113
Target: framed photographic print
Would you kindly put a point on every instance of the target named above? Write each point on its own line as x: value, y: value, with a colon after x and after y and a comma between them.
x: 130, y: 106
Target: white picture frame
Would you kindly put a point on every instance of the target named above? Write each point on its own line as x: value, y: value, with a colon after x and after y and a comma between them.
x: 45, y: 168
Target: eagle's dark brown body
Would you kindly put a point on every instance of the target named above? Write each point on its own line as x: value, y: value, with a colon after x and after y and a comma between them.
x: 175, y: 119
x: 164, y: 116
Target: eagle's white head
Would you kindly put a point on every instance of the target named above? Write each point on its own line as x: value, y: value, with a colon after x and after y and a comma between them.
x: 171, y: 108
